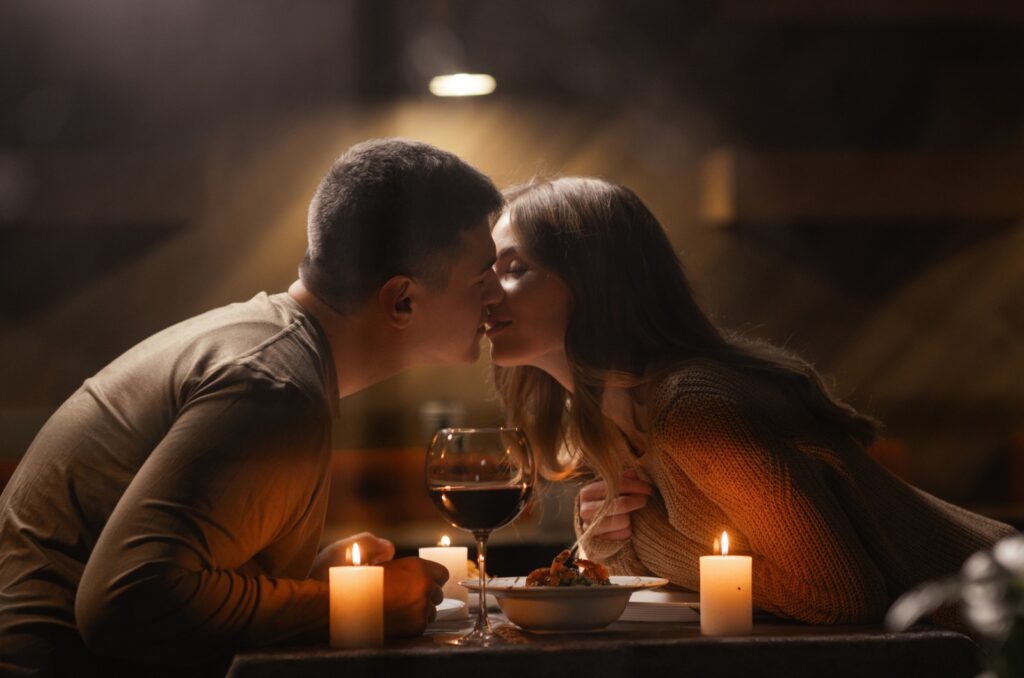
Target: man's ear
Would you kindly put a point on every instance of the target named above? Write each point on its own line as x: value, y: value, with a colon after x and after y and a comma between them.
x: 397, y: 300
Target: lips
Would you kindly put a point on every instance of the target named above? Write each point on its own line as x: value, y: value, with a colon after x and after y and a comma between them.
x: 495, y: 326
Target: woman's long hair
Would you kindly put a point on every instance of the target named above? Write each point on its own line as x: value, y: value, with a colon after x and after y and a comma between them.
x: 632, y: 316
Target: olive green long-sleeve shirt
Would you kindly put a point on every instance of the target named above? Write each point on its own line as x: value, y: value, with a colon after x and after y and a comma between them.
x: 169, y: 512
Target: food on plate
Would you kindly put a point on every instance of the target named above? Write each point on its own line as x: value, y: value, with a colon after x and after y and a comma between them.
x: 577, y: 573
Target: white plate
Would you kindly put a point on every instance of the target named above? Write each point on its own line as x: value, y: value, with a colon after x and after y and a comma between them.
x: 450, y: 609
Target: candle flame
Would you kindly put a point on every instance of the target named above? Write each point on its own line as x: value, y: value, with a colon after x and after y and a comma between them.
x: 355, y: 554
x: 445, y: 541
x: 725, y: 543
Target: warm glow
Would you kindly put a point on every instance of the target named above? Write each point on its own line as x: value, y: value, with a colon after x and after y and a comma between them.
x: 445, y: 541
x: 462, y: 85
x: 725, y: 543
x: 355, y: 554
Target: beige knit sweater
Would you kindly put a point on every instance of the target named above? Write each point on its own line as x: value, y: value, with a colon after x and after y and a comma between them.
x: 835, y: 538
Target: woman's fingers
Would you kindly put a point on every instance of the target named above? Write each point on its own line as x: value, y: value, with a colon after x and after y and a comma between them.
x: 626, y: 503
x: 621, y: 507
x: 633, y: 495
x: 629, y: 484
x: 635, y: 486
x: 595, y: 491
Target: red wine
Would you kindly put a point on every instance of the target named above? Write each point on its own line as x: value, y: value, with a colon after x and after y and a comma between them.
x: 481, y: 507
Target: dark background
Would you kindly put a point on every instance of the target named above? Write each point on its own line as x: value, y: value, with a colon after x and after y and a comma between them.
x: 841, y: 178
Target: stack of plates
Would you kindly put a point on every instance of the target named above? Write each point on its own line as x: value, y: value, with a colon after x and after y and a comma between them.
x: 662, y: 606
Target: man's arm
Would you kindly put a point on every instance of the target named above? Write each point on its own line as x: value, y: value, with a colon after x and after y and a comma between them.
x: 238, y: 469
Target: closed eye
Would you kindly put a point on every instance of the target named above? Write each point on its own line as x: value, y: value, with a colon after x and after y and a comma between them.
x: 514, y: 269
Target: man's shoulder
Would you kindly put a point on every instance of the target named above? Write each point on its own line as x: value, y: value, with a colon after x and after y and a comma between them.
x: 267, y: 337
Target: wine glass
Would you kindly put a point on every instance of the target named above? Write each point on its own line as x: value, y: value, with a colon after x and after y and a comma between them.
x: 480, y: 479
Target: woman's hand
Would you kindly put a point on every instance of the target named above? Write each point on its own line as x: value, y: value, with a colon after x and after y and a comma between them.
x: 373, y: 551
x: 615, y: 525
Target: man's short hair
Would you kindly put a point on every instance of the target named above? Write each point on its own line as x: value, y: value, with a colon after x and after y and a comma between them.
x: 390, y: 207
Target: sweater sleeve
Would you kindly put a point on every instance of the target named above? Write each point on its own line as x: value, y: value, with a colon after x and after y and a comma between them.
x: 237, y: 471
x: 809, y: 563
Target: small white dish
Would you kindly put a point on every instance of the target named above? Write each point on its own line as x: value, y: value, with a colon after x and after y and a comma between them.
x: 563, y: 609
x: 449, y: 609
x: 662, y: 606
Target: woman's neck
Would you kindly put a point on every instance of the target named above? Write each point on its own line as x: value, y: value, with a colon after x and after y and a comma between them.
x: 556, y: 365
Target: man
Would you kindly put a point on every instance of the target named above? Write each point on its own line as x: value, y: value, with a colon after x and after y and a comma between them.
x: 170, y: 511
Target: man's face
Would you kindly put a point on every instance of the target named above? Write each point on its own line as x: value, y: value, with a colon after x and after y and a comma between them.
x: 451, y: 319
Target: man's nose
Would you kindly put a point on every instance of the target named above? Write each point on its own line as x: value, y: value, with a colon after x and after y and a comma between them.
x: 493, y: 291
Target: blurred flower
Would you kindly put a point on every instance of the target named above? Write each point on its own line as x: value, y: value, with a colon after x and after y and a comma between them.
x: 990, y: 588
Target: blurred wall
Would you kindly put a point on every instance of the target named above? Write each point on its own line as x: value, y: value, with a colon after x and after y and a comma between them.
x: 845, y: 185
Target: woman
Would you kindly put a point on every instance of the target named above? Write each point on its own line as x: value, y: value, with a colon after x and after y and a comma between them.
x: 603, y: 356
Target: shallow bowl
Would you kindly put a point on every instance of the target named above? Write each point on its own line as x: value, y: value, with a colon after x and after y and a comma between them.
x: 563, y: 609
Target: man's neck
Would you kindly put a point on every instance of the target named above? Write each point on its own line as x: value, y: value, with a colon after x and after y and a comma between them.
x: 364, y: 352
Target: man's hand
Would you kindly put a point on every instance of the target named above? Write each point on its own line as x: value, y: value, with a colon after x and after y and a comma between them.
x: 412, y: 590
x: 373, y: 551
x: 615, y: 525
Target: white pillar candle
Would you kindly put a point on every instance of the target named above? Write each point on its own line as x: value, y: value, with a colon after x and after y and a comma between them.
x: 357, y: 604
x: 454, y: 559
x: 725, y: 593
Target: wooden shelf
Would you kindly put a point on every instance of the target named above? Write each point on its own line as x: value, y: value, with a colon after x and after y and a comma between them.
x: 764, y: 186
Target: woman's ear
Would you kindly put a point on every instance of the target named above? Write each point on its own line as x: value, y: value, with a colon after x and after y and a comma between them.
x: 396, y: 299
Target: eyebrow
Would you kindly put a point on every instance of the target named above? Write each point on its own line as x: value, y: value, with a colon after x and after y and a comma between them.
x: 506, y: 251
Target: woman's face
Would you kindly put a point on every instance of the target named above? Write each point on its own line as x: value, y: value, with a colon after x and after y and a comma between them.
x: 528, y: 326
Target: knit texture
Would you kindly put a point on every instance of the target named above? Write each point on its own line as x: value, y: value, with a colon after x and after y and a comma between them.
x: 835, y: 538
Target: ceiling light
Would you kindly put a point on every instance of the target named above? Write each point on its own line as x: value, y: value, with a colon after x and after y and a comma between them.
x: 462, y: 85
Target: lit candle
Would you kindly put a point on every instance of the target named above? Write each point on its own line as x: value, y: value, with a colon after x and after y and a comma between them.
x: 454, y: 559
x: 725, y: 603
x: 357, y: 604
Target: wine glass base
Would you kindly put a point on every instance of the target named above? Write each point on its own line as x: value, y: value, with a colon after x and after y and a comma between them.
x: 471, y: 639
x: 502, y: 634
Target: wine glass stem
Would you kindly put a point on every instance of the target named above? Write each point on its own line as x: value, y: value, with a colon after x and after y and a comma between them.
x: 482, y: 625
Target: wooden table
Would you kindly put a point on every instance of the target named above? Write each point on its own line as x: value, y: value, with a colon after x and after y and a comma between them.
x: 639, y: 649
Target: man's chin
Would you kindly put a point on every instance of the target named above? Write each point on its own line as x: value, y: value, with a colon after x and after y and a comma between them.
x: 471, y: 355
